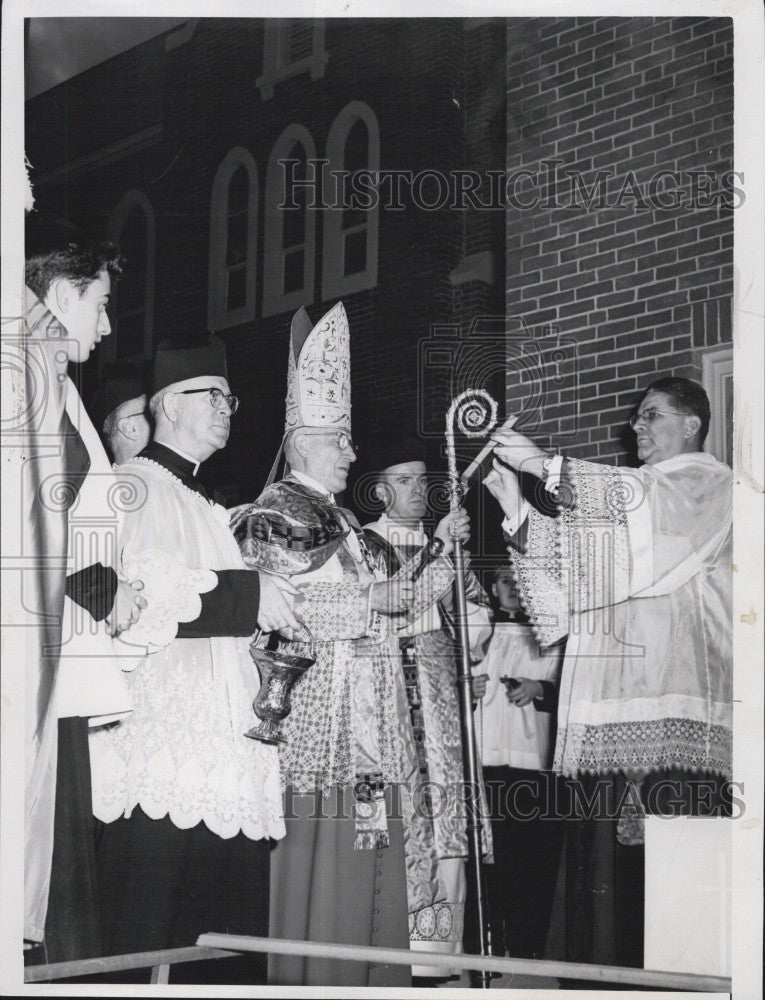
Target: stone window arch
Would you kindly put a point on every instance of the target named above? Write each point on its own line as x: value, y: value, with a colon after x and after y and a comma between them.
x: 351, y: 222
x: 233, y: 241
x: 293, y: 184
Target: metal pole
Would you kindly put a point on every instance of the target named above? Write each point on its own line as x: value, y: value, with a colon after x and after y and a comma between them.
x: 472, y: 783
x: 504, y: 966
x: 475, y: 413
x: 227, y: 945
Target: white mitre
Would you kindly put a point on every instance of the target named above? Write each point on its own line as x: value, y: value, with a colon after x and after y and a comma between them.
x: 319, y: 371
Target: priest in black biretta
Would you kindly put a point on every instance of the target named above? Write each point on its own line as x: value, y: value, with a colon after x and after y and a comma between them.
x: 187, y: 804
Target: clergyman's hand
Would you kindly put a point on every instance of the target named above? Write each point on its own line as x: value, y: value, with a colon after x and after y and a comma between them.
x: 127, y: 607
x: 479, y: 684
x: 453, y: 527
x: 391, y: 597
x: 503, y: 484
x: 518, y: 451
x: 277, y: 600
x: 525, y: 692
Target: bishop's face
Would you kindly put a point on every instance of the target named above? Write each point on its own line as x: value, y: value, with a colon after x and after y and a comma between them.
x: 328, y: 457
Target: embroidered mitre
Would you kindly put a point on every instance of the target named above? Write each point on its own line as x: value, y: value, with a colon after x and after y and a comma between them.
x: 319, y: 371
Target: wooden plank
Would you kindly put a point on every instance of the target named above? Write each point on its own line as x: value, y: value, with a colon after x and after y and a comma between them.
x: 116, y: 963
x: 160, y: 974
x: 517, y: 966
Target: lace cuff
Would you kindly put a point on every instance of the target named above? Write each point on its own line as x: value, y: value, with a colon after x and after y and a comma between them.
x: 172, y: 593
x: 376, y: 627
x: 553, y: 469
x: 541, y: 582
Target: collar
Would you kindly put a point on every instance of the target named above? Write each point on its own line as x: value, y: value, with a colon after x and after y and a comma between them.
x: 180, y: 465
x: 312, y: 484
x: 517, y: 618
x: 401, y: 534
x: 189, y: 465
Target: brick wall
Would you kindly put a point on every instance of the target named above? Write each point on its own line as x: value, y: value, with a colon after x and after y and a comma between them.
x: 611, y: 296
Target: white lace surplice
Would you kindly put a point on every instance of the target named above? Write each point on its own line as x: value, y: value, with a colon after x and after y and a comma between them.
x: 182, y: 752
x: 509, y: 735
x: 638, y: 574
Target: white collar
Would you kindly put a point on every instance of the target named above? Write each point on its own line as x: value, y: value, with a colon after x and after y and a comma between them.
x: 183, y: 454
x: 312, y: 484
x: 401, y: 534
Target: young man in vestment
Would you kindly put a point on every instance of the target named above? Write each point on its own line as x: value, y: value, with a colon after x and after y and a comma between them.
x: 187, y: 804
x: 348, y: 764
x: 73, y: 599
x: 428, y: 656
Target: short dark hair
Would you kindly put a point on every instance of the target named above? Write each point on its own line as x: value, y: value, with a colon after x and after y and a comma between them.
x: 79, y: 264
x: 688, y: 396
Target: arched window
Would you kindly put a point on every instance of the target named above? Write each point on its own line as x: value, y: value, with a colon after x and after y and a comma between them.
x: 293, y: 185
x: 233, y: 241
x: 349, y: 258
x: 131, y: 226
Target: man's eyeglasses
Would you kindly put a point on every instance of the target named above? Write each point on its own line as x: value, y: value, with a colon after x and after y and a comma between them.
x: 650, y: 415
x: 342, y: 439
x: 217, y: 396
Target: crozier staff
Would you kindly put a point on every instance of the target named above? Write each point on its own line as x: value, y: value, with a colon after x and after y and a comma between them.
x: 340, y: 874
x: 428, y: 656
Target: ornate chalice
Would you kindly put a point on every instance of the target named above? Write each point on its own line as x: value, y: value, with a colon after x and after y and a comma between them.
x: 279, y: 672
x: 274, y: 542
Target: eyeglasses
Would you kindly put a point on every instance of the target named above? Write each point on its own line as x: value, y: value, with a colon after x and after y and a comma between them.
x: 650, y: 415
x: 216, y: 396
x: 342, y: 439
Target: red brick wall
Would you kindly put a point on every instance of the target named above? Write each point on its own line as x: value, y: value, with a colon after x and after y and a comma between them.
x: 625, y: 291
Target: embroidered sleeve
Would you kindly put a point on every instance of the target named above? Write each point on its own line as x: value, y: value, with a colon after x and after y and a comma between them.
x: 172, y: 593
x: 335, y: 611
x: 579, y: 560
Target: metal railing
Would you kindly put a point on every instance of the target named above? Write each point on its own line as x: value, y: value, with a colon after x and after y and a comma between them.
x: 227, y: 945
x: 158, y: 961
